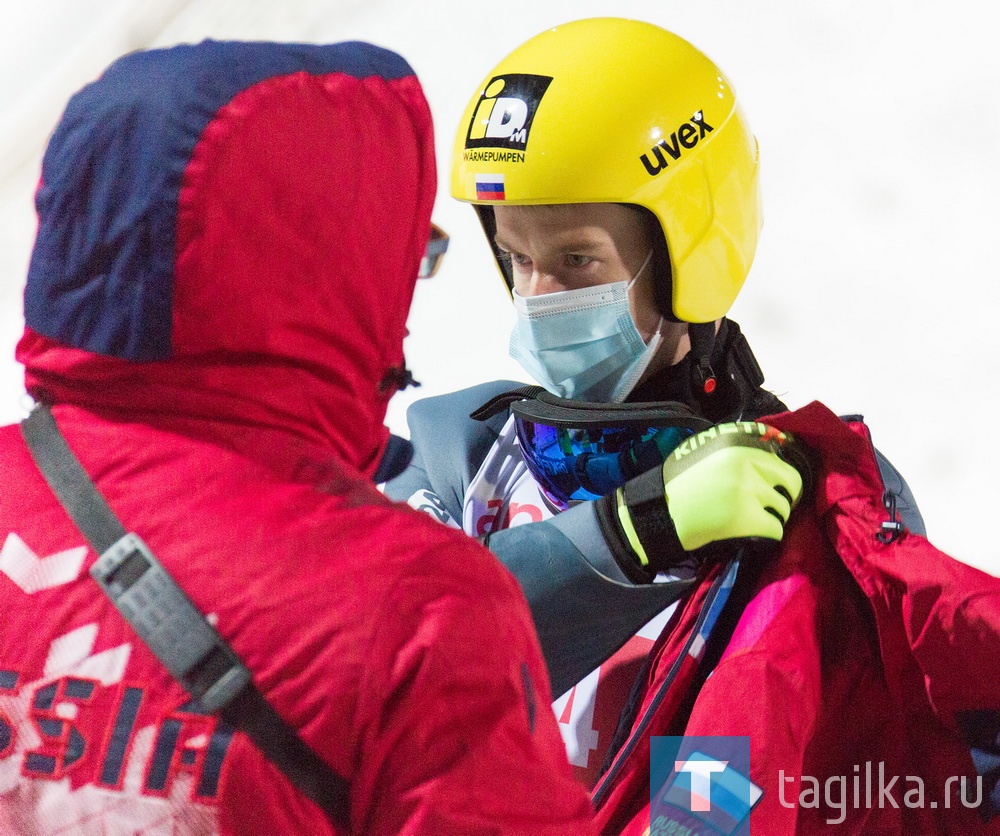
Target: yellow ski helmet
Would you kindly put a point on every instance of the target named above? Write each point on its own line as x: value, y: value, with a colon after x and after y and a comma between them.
x: 610, y: 110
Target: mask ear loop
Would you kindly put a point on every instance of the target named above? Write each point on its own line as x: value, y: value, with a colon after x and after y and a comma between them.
x: 654, y: 340
x: 639, y: 272
x: 625, y: 387
x: 628, y: 287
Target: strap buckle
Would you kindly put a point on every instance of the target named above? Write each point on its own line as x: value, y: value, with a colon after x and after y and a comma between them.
x: 166, y: 620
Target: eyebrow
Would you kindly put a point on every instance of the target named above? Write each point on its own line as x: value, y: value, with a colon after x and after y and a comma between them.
x: 571, y: 245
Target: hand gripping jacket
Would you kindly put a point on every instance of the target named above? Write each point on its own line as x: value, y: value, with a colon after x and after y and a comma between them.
x: 858, y: 663
x: 229, y: 237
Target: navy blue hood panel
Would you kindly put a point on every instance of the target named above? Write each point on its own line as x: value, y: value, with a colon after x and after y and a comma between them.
x: 101, y: 273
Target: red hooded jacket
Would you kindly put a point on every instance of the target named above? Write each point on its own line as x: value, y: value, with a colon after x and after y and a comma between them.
x: 228, y: 241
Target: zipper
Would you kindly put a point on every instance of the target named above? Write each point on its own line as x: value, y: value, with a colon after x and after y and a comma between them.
x: 714, y: 602
x: 893, y: 528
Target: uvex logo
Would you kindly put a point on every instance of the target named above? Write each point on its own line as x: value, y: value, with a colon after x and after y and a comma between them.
x: 685, y: 137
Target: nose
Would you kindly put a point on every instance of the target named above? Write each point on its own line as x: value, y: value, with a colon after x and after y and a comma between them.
x: 542, y: 282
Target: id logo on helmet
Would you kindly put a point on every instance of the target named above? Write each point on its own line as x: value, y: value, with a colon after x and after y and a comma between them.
x: 503, y: 117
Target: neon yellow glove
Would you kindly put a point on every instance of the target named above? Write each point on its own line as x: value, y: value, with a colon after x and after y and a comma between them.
x: 732, y: 482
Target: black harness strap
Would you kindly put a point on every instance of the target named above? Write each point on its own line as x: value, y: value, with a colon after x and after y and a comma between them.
x: 168, y: 622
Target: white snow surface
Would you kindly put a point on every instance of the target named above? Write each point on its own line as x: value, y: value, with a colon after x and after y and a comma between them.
x: 875, y: 282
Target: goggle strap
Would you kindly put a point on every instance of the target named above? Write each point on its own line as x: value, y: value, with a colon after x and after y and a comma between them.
x: 625, y: 519
x: 501, y: 403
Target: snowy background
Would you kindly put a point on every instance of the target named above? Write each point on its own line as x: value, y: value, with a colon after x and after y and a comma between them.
x: 876, y: 280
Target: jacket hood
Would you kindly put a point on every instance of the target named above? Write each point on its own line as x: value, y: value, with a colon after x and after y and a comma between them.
x: 229, y: 236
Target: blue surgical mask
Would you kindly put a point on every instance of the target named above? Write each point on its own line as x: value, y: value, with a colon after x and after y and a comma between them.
x: 582, y: 344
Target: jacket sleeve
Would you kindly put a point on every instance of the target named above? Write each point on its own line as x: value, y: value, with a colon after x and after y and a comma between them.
x: 465, y: 740
x: 583, y: 606
x: 448, y: 447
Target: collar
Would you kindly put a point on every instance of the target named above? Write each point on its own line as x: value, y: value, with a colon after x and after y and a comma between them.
x: 737, y: 394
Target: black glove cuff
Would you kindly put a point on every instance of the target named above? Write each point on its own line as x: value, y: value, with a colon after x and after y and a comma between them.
x: 652, y: 527
x: 647, y: 508
x: 615, y: 537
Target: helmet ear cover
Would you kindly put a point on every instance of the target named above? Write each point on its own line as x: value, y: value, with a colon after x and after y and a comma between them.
x: 663, y: 287
x: 488, y: 221
x: 660, y: 266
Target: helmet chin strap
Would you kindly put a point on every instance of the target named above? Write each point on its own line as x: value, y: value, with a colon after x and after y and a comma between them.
x: 702, y: 336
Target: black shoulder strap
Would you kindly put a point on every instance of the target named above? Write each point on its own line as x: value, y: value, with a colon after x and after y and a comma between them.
x: 168, y: 622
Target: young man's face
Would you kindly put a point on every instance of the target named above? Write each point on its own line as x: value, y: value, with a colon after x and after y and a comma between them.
x: 566, y: 247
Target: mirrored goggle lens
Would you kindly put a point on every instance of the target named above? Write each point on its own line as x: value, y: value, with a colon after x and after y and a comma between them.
x: 437, y: 246
x: 588, y: 463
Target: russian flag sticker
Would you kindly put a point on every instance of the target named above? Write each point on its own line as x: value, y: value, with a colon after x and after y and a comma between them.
x: 490, y: 187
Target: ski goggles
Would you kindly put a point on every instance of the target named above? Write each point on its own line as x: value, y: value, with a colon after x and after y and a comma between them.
x: 579, y: 450
x: 437, y: 246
